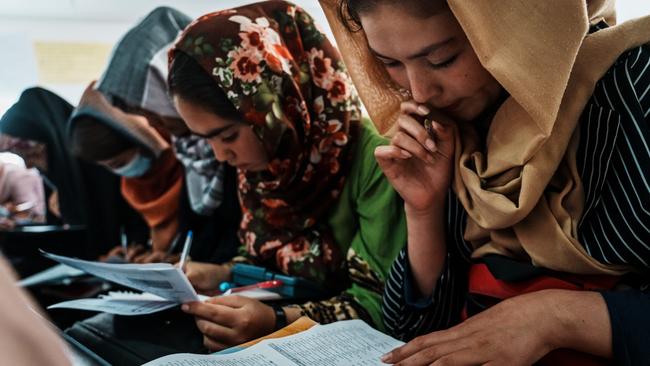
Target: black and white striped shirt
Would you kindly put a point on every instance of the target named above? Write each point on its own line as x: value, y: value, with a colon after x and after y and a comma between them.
x: 614, y: 164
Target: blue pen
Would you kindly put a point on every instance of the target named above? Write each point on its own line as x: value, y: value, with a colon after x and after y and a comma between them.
x: 186, y: 250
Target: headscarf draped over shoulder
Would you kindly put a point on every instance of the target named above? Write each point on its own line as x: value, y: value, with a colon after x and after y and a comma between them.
x: 544, y: 56
x: 288, y: 82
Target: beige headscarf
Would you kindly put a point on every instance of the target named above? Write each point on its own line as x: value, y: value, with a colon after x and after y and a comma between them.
x: 542, y: 54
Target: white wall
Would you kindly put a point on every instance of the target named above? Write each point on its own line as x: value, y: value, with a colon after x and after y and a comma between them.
x: 24, y: 21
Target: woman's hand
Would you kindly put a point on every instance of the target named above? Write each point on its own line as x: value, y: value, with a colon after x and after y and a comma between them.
x: 138, y: 253
x: 231, y: 320
x: 517, y: 331
x: 418, y: 166
x: 206, y: 277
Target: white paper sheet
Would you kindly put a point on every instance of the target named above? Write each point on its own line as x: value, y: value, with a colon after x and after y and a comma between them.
x: 135, y: 306
x: 142, y: 303
x: 344, y: 343
x: 58, y: 273
x: 160, y: 279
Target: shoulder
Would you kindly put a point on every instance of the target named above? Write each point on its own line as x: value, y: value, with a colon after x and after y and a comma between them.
x: 364, y: 169
x: 624, y: 87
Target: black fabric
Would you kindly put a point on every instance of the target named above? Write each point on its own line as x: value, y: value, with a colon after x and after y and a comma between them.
x: 89, y: 195
x: 215, y: 236
x: 125, y: 340
x: 89, y: 112
x: 628, y: 313
x: 510, y: 270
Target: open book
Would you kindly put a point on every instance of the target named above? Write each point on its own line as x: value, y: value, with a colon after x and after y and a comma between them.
x: 163, y: 286
x: 344, y: 343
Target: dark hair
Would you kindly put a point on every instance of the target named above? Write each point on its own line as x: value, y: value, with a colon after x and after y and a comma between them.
x: 93, y: 141
x: 188, y: 80
x: 349, y: 11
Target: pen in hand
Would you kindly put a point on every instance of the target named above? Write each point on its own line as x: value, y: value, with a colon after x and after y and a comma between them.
x: 186, y: 250
x: 260, y: 285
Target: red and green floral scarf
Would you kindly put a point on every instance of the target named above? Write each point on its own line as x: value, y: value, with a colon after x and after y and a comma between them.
x: 290, y: 84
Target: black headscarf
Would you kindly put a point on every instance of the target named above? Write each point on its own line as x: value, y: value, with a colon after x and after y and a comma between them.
x: 89, y: 195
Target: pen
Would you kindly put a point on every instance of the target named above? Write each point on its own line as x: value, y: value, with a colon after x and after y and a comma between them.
x: 186, y: 250
x: 260, y: 285
x: 125, y: 242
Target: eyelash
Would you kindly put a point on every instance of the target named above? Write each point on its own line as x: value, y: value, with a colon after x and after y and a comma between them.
x: 444, y: 64
x: 230, y: 138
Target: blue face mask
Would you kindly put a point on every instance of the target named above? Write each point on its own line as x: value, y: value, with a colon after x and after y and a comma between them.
x: 137, y: 167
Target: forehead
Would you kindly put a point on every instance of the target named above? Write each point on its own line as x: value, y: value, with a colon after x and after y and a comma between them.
x: 199, y: 119
x: 394, y: 31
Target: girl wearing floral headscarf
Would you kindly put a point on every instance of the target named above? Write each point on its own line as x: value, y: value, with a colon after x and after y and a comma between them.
x: 272, y: 97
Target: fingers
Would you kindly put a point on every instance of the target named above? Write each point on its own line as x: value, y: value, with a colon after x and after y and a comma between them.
x: 213, y: 345
x: 215, y: 313
x: 412, y: 107
x: 409, y: 144
x: 134, y: 251
x: 232, y: 301
x: 216, y: 336
x: 391, y: 152
x: 414, y: 346
x: 152, y: 257
x: 432, y: 349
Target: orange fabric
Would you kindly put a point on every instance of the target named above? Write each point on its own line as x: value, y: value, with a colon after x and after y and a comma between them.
x: 156, y: 196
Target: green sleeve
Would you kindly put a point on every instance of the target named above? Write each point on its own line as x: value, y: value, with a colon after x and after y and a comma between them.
x: 369, y: 224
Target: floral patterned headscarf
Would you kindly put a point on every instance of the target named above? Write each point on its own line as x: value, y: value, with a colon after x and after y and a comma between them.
x: 289, y: 83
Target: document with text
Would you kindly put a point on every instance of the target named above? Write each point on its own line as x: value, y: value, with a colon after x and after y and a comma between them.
x: 344, y: 343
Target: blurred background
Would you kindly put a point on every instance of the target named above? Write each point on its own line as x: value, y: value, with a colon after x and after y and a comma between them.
x: 63, y: 44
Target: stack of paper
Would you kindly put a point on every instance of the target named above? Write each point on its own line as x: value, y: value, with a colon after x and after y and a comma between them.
x: 163, y: 285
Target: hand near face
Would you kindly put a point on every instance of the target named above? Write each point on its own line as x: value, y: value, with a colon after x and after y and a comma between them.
x: 418, y: 166
x: 231, y: 320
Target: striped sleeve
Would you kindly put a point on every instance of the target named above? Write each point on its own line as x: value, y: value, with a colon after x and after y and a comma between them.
x: 405, y: 315
x: 614, y: 162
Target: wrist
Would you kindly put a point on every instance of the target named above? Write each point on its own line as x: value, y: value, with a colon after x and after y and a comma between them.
x: 280, y: 317
x: 426, y: 213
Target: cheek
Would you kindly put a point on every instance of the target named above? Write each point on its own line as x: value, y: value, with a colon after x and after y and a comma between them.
x: 398, y: 75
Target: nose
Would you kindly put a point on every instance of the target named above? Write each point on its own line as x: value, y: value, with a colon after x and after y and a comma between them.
x: 221, y: 153
x: 423, y: 87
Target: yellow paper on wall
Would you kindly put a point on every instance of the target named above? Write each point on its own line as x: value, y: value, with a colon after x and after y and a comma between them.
x: 70, y: 62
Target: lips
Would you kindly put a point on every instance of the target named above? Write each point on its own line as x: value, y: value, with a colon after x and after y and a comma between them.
x: 452, y: 107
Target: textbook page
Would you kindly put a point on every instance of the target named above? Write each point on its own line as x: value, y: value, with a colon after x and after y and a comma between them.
x: 344, y: 343
x: 160, y: 279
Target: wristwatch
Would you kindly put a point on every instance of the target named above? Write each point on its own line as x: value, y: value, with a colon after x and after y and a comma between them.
x: 280, y: 317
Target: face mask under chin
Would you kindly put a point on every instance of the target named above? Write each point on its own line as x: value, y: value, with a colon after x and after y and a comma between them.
x: 137, y: 167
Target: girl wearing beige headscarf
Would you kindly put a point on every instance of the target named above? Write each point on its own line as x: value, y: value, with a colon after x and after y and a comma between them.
x: 520, y: 131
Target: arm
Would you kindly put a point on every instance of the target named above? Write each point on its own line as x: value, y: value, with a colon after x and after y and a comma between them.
x: 420, y: 167
x: 529, y: 326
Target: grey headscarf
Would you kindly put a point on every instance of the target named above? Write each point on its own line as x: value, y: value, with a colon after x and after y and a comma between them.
x: 137, y: 71
x: 137, y: 74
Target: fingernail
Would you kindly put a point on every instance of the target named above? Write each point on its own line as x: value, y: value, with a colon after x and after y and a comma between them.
x: 185, y: 307
x: 430, y: 145
x: 423, y: 110
x: 386, y: 358
x: 406, y: 154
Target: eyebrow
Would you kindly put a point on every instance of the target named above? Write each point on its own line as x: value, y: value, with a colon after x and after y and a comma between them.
x: 213, y: 133
x: 423, y: 52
